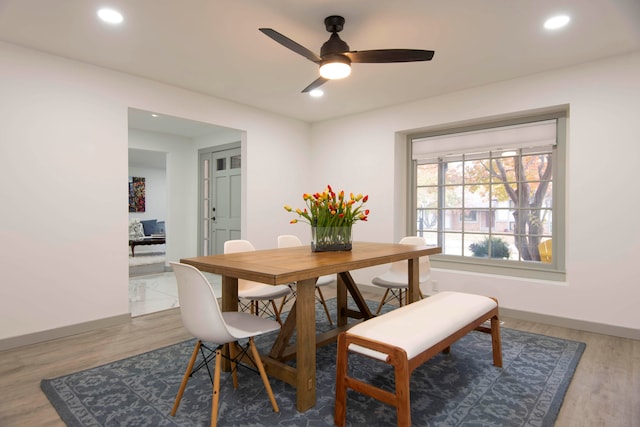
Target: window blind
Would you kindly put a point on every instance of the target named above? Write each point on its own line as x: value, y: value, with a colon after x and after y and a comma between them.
x: 526, y: 135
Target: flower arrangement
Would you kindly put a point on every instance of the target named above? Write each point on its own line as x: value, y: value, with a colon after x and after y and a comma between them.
x: 331, y: 216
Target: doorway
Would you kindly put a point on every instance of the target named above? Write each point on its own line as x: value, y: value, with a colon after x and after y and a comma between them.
x: 180, y: 140
x: 219, y: 213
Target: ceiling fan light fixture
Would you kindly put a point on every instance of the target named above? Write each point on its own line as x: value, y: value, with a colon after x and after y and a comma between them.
x: 335, y: 67
x: 556, y: 22
x: 110, y: 16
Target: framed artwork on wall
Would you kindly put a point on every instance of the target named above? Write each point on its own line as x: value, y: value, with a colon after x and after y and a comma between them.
x: 136, y: 194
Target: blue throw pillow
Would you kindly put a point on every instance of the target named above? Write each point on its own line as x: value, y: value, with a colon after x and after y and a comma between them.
x: 160, y: 227
x: 149, y: 226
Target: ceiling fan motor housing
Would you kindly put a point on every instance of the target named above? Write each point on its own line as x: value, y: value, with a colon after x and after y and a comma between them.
x: 334, y: 23
x: 334, y: 45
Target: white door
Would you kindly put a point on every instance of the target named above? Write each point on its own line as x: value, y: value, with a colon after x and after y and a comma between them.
x: 220, y: 208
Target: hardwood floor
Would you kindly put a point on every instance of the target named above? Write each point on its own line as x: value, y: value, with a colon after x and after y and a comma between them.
x: 605, y: 390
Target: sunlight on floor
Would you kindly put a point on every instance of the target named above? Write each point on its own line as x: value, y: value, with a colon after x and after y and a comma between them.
x: 157, y: 292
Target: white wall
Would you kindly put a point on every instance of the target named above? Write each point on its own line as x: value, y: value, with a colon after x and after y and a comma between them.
x: 603, y: 233
x: 63, y: 164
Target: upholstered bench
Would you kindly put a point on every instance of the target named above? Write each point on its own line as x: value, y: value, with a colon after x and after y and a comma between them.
x: 406, y: 338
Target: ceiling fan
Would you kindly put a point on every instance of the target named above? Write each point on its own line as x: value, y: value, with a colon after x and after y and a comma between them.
x: 335, y: 57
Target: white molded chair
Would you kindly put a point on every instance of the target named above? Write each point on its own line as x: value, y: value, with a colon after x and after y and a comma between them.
x: 395, y: 280
x: 288, y: 241
x: 202, y: 317
x: 256, y: 292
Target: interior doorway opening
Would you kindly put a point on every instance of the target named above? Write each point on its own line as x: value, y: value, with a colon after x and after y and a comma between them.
x: 179, y: 141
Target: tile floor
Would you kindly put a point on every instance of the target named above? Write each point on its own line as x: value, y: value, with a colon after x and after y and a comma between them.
x: 156, y: 292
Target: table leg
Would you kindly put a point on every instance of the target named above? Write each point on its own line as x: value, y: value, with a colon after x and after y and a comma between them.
x: 363, y: 309
x: 306, y: 345
x: 414, y: 280
x: 341, y: 300
x: 229, y: 303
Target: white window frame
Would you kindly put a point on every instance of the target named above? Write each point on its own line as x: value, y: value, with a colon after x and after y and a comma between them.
x: 528, y: 269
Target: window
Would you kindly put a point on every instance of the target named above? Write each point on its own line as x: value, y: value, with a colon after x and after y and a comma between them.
x: 490, y: 196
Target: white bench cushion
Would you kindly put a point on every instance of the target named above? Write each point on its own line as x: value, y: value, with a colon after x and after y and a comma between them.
x: 422, y: 324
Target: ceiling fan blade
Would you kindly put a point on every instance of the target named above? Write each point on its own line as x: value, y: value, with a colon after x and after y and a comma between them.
x: 390, y: 55
x: 316, y: 84
x: 290, y: 44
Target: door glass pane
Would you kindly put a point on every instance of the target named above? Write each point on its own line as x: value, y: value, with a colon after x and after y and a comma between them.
x: 235, y: 162
x: 221, y: 164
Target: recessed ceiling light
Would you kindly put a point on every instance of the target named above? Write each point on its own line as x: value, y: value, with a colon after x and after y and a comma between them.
x: 154, y: 115
x: 556, y: 22
x: 110, y: 16
x: 316, y: 93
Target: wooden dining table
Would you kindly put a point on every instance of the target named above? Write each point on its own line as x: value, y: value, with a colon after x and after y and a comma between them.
x: 302, y: 266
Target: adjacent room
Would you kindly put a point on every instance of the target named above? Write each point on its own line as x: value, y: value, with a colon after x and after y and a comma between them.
x: 439, y: 234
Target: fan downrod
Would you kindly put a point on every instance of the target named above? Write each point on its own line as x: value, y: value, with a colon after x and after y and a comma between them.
x: 334, y: 23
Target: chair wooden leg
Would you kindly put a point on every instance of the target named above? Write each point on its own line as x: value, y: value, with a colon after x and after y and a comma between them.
x: 282, y: 303
x: 324, y: 304
x: 276, y: 312
x: 185, y: 378
x: 263, y: 374
x: 234, y: 365
x: 216, y: 388
x: 384, y: 298
x: 287, y: 298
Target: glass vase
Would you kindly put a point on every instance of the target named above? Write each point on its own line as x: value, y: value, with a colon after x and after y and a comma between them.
x: 325, y: 239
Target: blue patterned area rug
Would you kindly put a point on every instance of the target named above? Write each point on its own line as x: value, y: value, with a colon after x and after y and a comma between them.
x: 461, y: 388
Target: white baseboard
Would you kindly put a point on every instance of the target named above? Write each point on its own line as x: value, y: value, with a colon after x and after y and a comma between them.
x: 581, y: 325
x: 65, y: 331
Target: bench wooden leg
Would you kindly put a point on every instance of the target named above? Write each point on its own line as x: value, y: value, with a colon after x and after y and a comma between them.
x: 403, y: 397
x: 496, y: 344
x: 340, y: 414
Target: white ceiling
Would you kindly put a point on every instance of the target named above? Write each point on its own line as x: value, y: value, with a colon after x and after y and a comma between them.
x: 214, y: 46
